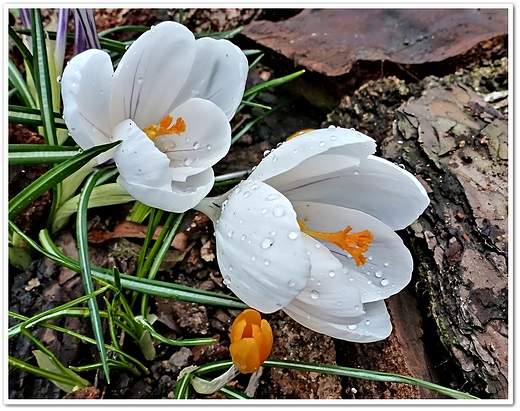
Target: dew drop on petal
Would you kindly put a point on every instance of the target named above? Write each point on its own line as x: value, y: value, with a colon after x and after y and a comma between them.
x: 278, y: 211
x: 264, y: 211
x: 311, y: 278
x: 273, y: 232
x: 255, y: 187
x: 196, y: 145
x: 352, y: 327
x: 266, y: 153
x: 385, y: 282
x: 295, y: 151
x: 331, y: 127
x: 266, y: 243
x: 272, y: 197
x: 243, y: 237
x: 378, y: 274
x: 291, y: 283
x: 208, y: 147
x: 188, y: 161
x: 333, y: 138
x: 370, y: 258
x: 267, y: 262
x: 356, y: 172
x: 230, y: 233
x: 58, y: 79
x: 318, y: 283
x: 356, y: 307
x: 369, y: 282
x: 246, y: 194
x: 253, y: 258
x: 367, y: 322
x: 386, y: 264
x: 292, y: 235
x: 322, y: 143
x: 345, y: 270
x: 318, y: 245
x: 332, y: 274
x: 315, y: 294
x: 275, y: 158
x: 230, y: 268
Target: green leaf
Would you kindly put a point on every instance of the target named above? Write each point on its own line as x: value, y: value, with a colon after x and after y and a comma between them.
x: 42, y: 78
x: 84, y: 263
x: 53, y: 177
x: 45, y: 363
x: 26, y: 53
x: 25, y: 154
x: 31, y: 117
x: 272, y: 83
x: 17, y: 81
x: 113, y: 30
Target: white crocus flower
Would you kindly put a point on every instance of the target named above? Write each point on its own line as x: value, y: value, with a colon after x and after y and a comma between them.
x: 311, y: 231
x: 169, y: 101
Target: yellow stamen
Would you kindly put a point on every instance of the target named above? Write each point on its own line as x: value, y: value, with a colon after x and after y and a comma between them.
x: 299, y: 133
x: 355, y: 244
x: 165, y: 127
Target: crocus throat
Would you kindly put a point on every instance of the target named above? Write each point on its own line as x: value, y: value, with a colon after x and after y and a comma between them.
x: 355, y: 244
x: 166, y: 126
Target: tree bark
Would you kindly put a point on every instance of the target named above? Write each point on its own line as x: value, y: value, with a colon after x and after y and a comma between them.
x: 457, y: 146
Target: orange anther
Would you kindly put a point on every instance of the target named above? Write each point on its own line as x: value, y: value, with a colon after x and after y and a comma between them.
x: 355, y: 244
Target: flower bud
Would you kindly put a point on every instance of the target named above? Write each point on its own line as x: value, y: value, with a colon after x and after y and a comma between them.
x: 251, y: 341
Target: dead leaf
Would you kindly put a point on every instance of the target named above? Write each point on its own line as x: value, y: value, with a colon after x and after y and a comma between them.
x: 33, y: 283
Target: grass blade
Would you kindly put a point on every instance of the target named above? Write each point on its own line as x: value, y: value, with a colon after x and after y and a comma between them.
x: 42, y: 78
x: 52, y: 178
x: 17, y: 81
x: 25, y: 154
x: 31, y: 117
x: 26, y: 53
x: 272, y: 83
x: 84, y: 263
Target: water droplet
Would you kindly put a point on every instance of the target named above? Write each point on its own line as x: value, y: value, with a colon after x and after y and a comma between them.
x: 300, y: 133
x: 275, y: 158
x: 378, y: 274
x: 367, y: 322
x: 230, y: 233
x: 243, y: 237
x: 80, y: 150
x: 352, y: 327
x: 351, y: 279
x: 318, y: 245
x: 58, y: 79
x: 385, y: 282
x: 333, y: 138
x: 332, y: 274
x: 386, y: 264
x: 292, y: 235
x: 339, y: 303
x: 352, y: 129
x: 272, y: 197
x: 278, y: 305
x: 264, y: 211
x: 315, y: 294
x: 356, y: 307
x: 370, y: 258
x: 291, y: 283
x: 278, y: 211
x: 188, y: 161
x: 356, y: 172
x: 196, y: 145
x: 273, y: 232
x: 253, y: 168
x: 318, y: 283
x: 74, y: 84
x: 266, y: 153
x: 267, y: 262
x: 253, y: 258
x: 331, y: 127
x: 127, y: 46
x: 208, y: 147
x: 238, y: 190
x: 322, y: 143
x: 230, y: 268
x: 295, y: 151
x: 255, y: 187
x: 311, y: 278
x: 345, y: 270
x: 246, y: 194
x: 266, y: 243
x: 369, y: 282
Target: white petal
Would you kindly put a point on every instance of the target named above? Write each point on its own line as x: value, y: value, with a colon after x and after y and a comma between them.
x: 86, y: 88
x: 389, y: 264
x: 259, y: 247
x: 151, y: 74
x: 375, y: 186
x: 138, y: 160
x: 206, y: 140
x: 175, y: 197
x: 295, y: 152
x: 372, y: 326
x: 329, y: 296
x: 219, y: 74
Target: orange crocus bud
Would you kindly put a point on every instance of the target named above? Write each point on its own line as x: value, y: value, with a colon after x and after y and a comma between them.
x: 251, y: 341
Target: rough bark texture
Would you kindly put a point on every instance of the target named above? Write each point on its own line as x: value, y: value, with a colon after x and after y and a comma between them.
x: 457, y: 144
